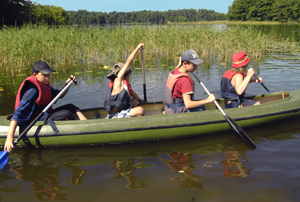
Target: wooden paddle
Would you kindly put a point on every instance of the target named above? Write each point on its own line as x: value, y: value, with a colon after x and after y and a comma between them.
x: 4, y: 154
x: 240, y: 133
x: 144, y: 79
x: 262, y: 83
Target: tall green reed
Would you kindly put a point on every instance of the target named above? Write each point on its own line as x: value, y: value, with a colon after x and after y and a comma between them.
x: 94, y: 47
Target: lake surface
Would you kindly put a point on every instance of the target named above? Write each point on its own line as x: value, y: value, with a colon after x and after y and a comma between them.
x: 209, y: 168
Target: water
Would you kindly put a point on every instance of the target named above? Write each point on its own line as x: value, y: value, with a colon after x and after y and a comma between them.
x: 209, y: 168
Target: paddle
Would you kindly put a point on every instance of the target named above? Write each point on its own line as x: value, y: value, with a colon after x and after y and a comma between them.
x: 144, y: 79
x: 262, y: 83
x: 4, y: 154
x: 233, y: 125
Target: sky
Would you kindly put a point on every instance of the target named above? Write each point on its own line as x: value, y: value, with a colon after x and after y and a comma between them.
x: 220, y: 6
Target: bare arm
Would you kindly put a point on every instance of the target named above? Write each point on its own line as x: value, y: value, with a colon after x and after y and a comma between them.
x: 137, y: 97
x: 189, y: 104
x: 240, y: 83
x: 118, y: 82
x: 129, y: 60
x: 10, y: 136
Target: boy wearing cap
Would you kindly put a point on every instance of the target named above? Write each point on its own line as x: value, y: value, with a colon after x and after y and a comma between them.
x: 118, y: 100
x: 34, y: 94
x: 179, y: 91
x: 234, y: 82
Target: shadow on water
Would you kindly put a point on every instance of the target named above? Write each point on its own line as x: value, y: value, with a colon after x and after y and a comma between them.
x: 51, y: 172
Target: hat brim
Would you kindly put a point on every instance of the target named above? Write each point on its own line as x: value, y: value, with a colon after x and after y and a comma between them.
x: 241, y: 64
x: 197, y: 61
x: 112, y: 75
x: 47, y: 71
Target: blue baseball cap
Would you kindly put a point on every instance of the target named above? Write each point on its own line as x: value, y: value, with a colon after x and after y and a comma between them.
x: 191, y: 56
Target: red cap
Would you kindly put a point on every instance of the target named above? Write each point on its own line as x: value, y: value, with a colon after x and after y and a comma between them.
x: 240, y: 59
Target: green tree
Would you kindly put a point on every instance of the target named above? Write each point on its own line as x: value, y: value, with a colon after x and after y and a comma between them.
x: 14, y: 12
x: 264, y: 10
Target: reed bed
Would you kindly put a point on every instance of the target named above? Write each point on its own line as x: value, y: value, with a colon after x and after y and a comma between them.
x: 94, y: 47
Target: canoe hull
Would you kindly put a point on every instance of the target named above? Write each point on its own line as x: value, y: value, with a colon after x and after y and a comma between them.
x: 157, y: 127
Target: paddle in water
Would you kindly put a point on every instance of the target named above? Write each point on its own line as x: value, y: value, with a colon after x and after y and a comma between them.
x: 4, y: 154
x: 240, y: 133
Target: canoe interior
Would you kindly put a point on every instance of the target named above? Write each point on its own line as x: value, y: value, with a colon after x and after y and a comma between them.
x: 156, y: 108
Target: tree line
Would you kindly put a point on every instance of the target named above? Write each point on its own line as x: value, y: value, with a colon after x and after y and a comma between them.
x: 18, y: 12
x: 83, y: 17
x: 264, y: 10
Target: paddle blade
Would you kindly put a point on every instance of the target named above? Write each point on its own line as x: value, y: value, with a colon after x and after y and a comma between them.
x: 3, y: 159
x: 240, y: 133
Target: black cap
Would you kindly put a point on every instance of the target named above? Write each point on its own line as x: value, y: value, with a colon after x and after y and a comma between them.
x: 41, y: 66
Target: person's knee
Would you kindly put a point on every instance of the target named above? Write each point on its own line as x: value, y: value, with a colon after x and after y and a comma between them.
x: 137, y: 111
x: 141, y: 111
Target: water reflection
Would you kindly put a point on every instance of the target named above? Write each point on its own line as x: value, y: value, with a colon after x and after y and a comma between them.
x: 182, y: 163
x: 125, y: 168
x: 233, y: 166
x: 43, y: 177
x: 77, y: 175
x: 111, y: 171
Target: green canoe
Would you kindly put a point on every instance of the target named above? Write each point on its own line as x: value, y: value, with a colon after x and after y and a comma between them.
x: 155, y: 125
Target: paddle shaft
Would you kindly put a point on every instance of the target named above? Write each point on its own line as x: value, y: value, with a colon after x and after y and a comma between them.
x: 43, y: 112
x: 233, y: 125
x: 144, y: 78
x: 261, y: 83
x: 206, y: 90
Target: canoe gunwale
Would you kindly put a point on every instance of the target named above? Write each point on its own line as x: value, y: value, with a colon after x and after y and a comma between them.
x: 168, y: 126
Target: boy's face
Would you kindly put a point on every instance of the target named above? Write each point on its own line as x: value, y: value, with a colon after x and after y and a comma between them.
x: 190, y: 67
x: 43, y: 78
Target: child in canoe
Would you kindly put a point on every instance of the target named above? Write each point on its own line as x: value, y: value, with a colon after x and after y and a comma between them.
x: 179, y: 90
x: 118, y: 102
x: 34, y: 94
x: 234, y: 82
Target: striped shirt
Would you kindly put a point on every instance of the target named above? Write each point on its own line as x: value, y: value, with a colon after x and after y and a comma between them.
x: 27, y: 104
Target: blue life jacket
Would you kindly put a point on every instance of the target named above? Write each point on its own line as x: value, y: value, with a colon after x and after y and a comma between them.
x: 120, y: 100
x: 228, y: 92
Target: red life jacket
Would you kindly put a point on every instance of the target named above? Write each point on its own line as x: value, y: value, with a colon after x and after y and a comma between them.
x: 120, y: 100
x: 174, y: 105
x: 229, y: 74
x: 44, y: 98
